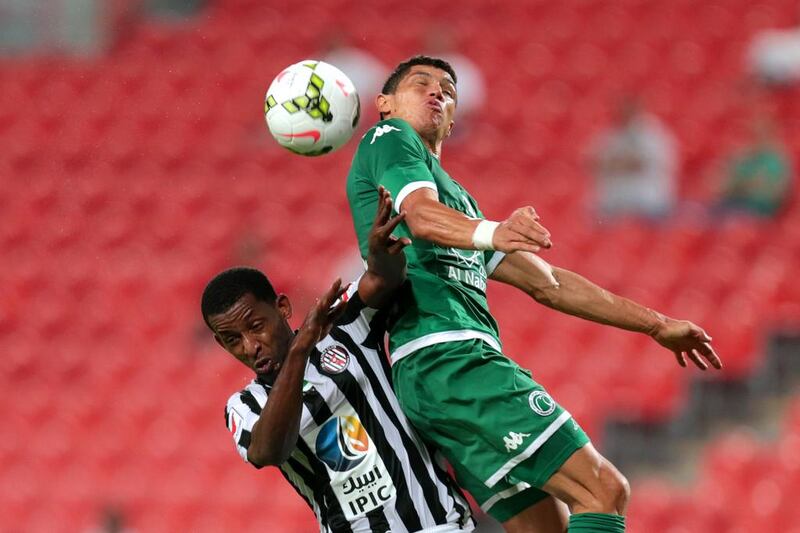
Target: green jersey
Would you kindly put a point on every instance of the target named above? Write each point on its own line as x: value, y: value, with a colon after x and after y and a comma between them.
x: 447, y: 299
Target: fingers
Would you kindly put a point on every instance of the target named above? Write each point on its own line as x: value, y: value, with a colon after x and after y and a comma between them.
x: 707, y: 351
x: 384, y: 207
x: 694, y: 355
x: 679, y: 357
x: 393, y: 222
x: 397, y: 244
x: 334, y: 292
x: 524, y: 225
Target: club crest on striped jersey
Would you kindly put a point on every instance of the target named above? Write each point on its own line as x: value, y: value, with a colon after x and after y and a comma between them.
x: 334, y: 359
x: 342, y: 443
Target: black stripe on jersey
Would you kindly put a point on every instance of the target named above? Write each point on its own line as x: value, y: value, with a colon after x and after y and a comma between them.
x: 330, y: 508
x: 244, y: 439
x: 250, y: 401
x: 377, y: 332
x: 226, y: 417
x: 377, y: 521
x: 297, y: 489
x: 429, y: 489
x: 244, y: 442
x: 316, y: 405
x: 351, y: 311
x: 351, y: 390
x: 452, y: 488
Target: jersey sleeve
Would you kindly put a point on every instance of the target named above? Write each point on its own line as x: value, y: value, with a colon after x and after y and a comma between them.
x: 397, y: 159
x: 492, y: 258
x: 240, y: 419
x: 357, y: 315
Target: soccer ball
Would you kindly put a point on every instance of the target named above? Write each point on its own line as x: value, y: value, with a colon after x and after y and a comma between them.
x: 312, y: 108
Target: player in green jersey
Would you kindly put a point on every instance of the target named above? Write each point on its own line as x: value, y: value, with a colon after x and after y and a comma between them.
x: 511, y: 445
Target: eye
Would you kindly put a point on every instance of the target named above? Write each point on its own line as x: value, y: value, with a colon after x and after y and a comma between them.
x: 257, y: 326
x: 231, y: 341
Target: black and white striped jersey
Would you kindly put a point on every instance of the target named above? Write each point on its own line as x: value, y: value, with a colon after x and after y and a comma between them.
x: 358, y: 462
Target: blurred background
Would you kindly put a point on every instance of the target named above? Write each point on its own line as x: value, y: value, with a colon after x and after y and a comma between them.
x: 659, y: 140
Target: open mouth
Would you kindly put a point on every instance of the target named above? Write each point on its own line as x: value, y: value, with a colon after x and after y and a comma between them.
x: 265, y: 366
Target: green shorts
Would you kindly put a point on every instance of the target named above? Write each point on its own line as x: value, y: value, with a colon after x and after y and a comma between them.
x: 500, y: 430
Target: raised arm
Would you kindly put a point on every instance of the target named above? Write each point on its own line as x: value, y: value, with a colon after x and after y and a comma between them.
x: 386, y: 262
x: 431, y: 220
x: 274, y: 435
x: 573, y: 294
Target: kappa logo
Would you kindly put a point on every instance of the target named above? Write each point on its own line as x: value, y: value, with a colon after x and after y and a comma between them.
x: 541, y: 403
x: 334, y: 359
x: 513, y: 440
x: 380, y: 131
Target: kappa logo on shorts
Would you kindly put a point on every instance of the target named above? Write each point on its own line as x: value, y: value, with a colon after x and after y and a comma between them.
x: 541, y: 403
x: 334, y: 359
x: 513, y: 440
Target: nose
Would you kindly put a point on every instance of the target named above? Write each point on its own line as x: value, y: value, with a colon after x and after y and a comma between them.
x: 436, y: 91
x: 251, y: 347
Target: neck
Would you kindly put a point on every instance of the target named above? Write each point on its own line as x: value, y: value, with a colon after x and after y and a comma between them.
x: 434, y: 145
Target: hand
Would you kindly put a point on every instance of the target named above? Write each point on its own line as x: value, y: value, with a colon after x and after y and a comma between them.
x: 687, y: 340
x: 380, y: 240
x: 521, y: 231
x: 320, y: 318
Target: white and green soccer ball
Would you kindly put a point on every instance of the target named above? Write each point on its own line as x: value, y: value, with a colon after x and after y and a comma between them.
x: 312, y: 108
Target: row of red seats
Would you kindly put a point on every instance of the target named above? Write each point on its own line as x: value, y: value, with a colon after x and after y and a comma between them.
x: 743, y: 485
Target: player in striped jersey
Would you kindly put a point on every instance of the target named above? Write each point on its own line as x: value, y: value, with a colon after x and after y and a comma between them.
x: 321, y: 407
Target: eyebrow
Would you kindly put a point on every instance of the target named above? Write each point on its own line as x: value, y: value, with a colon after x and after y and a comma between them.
x: 429, y: 75
x: 245, y: 316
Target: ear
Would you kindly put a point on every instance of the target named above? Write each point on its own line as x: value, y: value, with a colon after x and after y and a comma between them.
x: 284, y: 306
x: 450, y: 128
x: 383, y: 102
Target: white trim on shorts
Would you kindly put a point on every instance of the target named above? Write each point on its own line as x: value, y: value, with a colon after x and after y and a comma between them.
x: 530, y: 450
x: 503, y: 494
x: 443, y: 336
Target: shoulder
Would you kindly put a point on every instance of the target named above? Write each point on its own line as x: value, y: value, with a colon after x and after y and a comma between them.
x: 252, y: 398
x: 390, y: 132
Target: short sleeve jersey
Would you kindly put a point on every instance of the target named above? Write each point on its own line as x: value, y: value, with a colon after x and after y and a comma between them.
x: 357, y: 462
x: 447, y: 296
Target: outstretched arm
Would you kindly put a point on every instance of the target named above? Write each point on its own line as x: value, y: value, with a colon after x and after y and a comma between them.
x: 274, y: 435
x: 429, y: 219
x: 573, y: 294
x: 386, y: 262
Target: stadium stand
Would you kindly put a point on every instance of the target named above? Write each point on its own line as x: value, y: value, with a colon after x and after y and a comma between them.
x: 128, y: 180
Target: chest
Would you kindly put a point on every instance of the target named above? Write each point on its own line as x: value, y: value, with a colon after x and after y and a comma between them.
x: 452, y: 194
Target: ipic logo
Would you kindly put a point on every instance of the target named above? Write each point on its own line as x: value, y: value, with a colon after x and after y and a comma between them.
x: 381, y: 130
x: 367, y: 491
x: 541, y: 403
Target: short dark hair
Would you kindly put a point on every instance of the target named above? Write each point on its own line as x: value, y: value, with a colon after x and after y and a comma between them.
x: 227, y: 287
x: 402, y: 69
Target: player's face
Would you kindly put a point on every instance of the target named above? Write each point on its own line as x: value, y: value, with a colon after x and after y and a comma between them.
x: 257, y: 333
x: 425, y: 98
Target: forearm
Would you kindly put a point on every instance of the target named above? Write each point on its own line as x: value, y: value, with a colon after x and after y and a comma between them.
x: 570, y: 293
x: 575, y: 295
x: 274, y: 436
x: 433, y: 221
